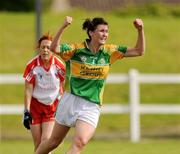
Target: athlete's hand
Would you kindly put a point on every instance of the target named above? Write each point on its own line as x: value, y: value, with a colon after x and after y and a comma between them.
x: 27, y: 119
x: 67, y: 21
x: 138, y: 23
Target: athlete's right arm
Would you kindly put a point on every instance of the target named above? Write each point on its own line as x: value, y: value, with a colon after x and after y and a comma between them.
x: 27, y: 95
x: 55, y: 43
x: 27, y: 119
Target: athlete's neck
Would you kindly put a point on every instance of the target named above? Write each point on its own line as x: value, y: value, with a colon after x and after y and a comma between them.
x: 46, y: 63
x: 94, y: 47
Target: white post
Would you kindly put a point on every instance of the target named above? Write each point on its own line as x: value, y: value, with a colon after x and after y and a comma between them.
x: 134, y: 106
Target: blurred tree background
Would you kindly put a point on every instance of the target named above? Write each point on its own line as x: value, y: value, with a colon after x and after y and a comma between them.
x: 122, y: 7
x: 17, y: 5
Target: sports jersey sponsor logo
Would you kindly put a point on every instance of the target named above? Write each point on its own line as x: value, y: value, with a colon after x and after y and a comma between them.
x: 89, y: 71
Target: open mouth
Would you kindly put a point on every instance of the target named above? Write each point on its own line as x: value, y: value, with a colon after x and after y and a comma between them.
x: 45, y: 54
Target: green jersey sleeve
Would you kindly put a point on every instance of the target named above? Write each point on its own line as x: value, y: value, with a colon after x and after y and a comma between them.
x: 116, y: 52
x: 67, y: 51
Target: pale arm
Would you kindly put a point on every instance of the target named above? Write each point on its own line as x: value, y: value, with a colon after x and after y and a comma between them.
x: 27, y: 95
x: 139, y: 48
x: 55, y: 43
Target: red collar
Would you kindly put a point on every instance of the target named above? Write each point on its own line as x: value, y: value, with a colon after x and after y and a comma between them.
x: 51, y: 61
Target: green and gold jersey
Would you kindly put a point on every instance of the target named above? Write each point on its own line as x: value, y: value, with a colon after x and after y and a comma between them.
x: 86, y: 72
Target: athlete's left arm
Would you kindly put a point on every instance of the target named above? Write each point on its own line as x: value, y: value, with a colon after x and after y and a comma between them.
x: 139, y: 48
x: 56, y: 40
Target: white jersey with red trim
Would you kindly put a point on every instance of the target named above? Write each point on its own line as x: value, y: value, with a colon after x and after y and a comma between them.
x: 47, y: 84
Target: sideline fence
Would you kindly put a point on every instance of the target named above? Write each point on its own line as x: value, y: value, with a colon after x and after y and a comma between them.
x: 135, y: 108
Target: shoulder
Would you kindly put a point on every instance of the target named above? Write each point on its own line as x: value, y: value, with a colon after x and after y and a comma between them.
x: 71, y: 46
x: 80, y: 45
x: 30, y: 67
x: 58, y: 62
x: 33, y: 62
x: 109, y: 48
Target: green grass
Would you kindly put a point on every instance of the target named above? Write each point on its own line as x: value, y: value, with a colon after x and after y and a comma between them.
x: 100, y: 147
x: 110, y: 126
x: 13, y: 94
x: 162, y: 51
x: 17, y: 46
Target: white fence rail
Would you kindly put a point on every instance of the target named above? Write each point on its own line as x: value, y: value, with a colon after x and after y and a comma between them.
x: 135, y: 108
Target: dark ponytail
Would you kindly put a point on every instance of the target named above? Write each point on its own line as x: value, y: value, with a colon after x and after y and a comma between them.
x: 91, y: 25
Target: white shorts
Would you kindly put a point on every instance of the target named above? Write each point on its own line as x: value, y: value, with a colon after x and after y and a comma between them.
x: 72, y: 108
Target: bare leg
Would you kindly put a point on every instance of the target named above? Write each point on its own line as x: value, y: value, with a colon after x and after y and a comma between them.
x: 36, y: 134
x: 57, y: 136
x: 47, y: 128
x: 83, y: 133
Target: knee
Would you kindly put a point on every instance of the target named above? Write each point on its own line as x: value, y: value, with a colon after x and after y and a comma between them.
x: 80, y: 142
x: 53, y: 142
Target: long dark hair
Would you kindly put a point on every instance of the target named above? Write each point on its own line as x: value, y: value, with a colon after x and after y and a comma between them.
x: 91, y: 25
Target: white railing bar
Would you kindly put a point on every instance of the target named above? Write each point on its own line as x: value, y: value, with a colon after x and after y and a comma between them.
x: 115, y: 109
x: 6, y: 109
x: 11, y: 79
x: 108, y: 108
x: 159, y: 78
x: 118, y: 78
x: 159, y: 109
x: 112, y: 78
x: 18, y: 79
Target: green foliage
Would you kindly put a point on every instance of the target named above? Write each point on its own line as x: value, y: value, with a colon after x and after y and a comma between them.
x: 149, y: 9
x: 23, y: 5
x: 17, y: 5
